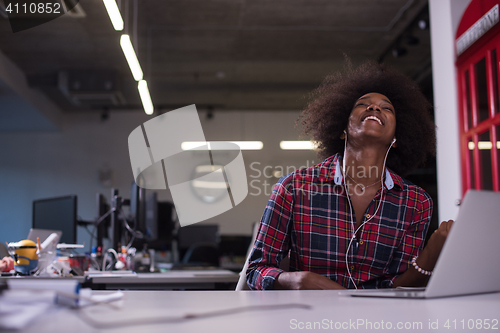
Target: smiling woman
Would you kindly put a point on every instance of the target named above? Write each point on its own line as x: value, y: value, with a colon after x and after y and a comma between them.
x: 352, y: 221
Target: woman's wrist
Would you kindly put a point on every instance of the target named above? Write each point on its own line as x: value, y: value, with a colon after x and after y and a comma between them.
x: 420, y: 269
x: 283, y: 281
x: 427, y: 259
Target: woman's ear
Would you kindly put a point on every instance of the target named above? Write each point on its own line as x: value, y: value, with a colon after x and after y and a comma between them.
x: 342, y: 136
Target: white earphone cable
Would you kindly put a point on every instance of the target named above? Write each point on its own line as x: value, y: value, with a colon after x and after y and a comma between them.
x: 350, y: 204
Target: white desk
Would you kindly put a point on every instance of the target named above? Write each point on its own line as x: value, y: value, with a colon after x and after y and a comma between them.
x: 4, y: 279
x: 326, y: 308
x: 208, y: 279
x: 170, y: 280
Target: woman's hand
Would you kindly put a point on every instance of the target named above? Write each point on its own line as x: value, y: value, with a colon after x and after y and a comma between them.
x: 437, y: 239
x: 429, y: 256
x: 427, y: 259
x: 304, y: 281
x: 6, y: 264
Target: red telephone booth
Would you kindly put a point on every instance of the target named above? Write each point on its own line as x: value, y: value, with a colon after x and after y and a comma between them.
x: 478, y: 50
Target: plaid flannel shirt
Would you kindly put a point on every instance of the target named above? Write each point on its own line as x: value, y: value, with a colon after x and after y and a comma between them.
x: 308, y: 217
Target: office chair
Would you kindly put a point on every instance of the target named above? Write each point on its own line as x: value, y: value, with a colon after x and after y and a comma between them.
x: 242, y: 281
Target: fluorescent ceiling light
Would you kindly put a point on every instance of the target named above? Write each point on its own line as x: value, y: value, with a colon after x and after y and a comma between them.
x: 129, y: 52
x: 297, y: 145
x: 244, y: 145
x: 192, y: 145
x: 209, y: 168
x: 145, y: 97
x: 249, y: 145
x: 483, y: 145
x: 210, y: 185
x: 114, y: 14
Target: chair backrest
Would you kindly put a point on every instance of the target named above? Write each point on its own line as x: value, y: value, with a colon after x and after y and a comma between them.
x: 242, y: 281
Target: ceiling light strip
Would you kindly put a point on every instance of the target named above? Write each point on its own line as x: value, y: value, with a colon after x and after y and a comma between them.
x: 482, y: 145
x: 297, y: 145
x: 201, y: 145
x: 145, y: 97
x: 129, y: 52
x: 114, y: 14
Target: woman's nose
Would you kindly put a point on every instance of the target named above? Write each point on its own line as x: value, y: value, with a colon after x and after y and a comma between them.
x: 373, y: 107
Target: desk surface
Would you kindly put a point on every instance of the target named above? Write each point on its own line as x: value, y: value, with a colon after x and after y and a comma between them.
x: 181, y: 276
x: 267, y: 312
x: 170, y: 280
x: 182, y: 279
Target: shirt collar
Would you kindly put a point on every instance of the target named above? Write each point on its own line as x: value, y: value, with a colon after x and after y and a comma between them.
x: 334, y: 167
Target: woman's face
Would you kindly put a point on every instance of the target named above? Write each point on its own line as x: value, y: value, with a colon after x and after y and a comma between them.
x: 373, y: 117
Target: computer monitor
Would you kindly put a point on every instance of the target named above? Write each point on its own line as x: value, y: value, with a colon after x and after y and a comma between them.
x: 198, y: 233
x: 102, y: 208
x: 138, y: 207
x: 135, y: 226
x: 160, y: 223
x: 57, y: 214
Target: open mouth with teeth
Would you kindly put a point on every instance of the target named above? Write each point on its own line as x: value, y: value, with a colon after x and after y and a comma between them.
x: 374, y: 118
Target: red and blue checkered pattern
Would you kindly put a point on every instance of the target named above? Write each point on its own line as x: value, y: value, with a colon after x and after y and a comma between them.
x: 308, y: 217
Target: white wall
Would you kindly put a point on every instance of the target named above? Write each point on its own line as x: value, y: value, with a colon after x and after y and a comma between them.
x: 22, y: 106
x: 445, y: 16
x: 37, y: 165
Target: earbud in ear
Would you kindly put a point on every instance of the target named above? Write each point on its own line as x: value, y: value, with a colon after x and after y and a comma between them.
x: 393, y: 140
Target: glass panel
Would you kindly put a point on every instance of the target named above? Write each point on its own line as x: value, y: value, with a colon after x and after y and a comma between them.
x: 494, y: 70
x: 471, y: 163
x: 468, y: 112
x: 481, y: 91
x: 485, y: 147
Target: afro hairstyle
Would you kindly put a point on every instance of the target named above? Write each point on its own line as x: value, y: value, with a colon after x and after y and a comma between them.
x: 326, y: 116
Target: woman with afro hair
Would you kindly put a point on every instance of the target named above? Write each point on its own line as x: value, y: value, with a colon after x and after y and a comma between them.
x: 352, y: 221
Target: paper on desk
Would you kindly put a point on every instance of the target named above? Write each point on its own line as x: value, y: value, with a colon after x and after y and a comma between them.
x: 55, y: 284
x: 63, y: 286
x: 18, y: 307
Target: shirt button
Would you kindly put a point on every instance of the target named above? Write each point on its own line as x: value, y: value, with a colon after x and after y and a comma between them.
x: 361, y: 242
x: 368, y: 216
x: 352, y: 267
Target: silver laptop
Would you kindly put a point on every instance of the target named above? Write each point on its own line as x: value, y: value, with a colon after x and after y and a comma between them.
x: 43, y: 234
x: 469, y: 262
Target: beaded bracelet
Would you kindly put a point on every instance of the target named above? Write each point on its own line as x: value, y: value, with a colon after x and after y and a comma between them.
x: 419, y: 269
